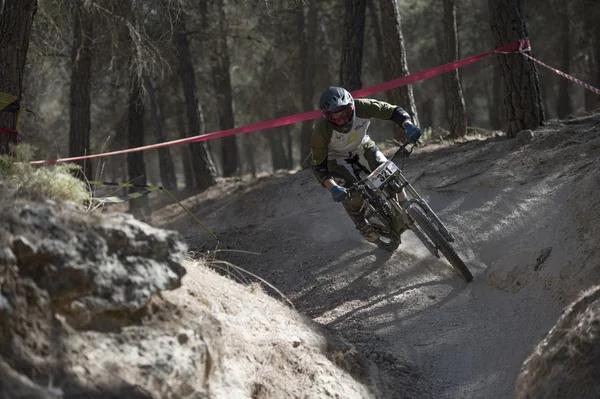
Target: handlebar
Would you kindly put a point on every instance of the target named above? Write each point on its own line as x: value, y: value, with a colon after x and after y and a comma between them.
x: 402, y: 149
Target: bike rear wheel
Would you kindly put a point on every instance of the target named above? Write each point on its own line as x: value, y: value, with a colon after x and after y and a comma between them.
x: 426, y: 225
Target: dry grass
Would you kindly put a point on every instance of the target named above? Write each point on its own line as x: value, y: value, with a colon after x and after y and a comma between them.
x: 26, y: 181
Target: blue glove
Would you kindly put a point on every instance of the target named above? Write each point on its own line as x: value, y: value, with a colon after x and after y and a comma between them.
x: 339, y: 193
x: 413, y: 133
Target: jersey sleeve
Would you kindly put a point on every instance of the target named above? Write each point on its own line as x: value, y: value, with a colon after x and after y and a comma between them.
x: 319, y: 143
x: 320, y: 149
x: 371, y: 108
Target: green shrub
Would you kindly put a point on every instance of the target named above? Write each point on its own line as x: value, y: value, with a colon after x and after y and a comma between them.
x: 54, y: 182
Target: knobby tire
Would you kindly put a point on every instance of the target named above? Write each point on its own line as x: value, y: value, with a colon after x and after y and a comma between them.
x: 439, y: 241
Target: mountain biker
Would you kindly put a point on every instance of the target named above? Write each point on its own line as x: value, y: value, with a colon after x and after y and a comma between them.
x: 341, y: 134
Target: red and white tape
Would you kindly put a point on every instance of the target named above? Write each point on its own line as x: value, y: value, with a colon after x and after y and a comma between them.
x: 519, y: 46
x: 564, y: 75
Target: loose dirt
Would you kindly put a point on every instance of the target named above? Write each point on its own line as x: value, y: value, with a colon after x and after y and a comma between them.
x: 526, y: 222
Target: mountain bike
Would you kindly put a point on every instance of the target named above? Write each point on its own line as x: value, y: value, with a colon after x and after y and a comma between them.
x: 379, y: 190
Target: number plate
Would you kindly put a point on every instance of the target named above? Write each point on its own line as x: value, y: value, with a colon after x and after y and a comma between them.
x: 383, y: 173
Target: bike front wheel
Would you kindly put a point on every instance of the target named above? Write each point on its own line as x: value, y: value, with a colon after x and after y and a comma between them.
x: 426, y: 225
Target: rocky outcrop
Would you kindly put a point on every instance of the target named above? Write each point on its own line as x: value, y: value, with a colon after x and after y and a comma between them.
x: 98, y: 271
x: 566, y: 363
x: 69, y: 279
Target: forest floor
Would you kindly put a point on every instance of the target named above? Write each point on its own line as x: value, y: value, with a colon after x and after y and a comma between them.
x: 525, y: 218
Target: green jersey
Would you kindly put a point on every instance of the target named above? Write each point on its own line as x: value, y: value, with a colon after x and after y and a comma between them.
x: 327, y: 142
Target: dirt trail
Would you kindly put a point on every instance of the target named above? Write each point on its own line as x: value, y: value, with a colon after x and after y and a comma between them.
x: 524, y: 220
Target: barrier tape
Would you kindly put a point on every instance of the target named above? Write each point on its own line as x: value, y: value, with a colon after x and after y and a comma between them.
x: 147, y: 189
x: 6, y: 131
x: 305, y: 116
x: 564, y: 75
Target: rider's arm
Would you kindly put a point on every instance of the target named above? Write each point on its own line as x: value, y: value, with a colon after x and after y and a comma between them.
x: 319, y: 146
x: 371, y: 108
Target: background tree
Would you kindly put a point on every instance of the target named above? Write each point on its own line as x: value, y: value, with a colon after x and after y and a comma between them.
x: 395, y: 64
x: 135, y: 138
x: 81, y: 75
x: 202, y: 163
x: 456, y: 101
x: 168, y: 176
x: 352, y: 45
x: 307, y: 27
x: 224, y: 94
x: 523, y: 100
x: 565, y: 107
x: 274, y: 49
x: 16, y: 18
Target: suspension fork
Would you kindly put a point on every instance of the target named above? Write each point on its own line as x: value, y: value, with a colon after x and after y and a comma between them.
x: 416, y: 198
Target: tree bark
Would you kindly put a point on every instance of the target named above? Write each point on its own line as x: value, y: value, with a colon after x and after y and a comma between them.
x: 352, y: 45
x: 307, y: 27
x: 222, y: 80
x: 522, y: 98
x: 458, y: 110
x: 378, y: 36
x: 186, y: 162
x: 81, y: 75
x: 597, y: 59
x: 136, y: 167
x: 565, y: 107
x: 16, y: 18
x: 394, y: 54
x: 278, y: 153
x: 165, y: 161
x: 496, y: 103
x: 204, y: 167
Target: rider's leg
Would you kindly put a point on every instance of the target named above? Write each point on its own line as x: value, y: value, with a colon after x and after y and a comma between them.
x: 375, y: 158
x: 354, y: 207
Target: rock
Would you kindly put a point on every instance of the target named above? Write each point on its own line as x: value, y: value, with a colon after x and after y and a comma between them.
x: 7, y: 257
x: 566, y: 362
x: 17, y: 386
x: 525, y: 137
x: 23, y: 248
x: 94, y: 268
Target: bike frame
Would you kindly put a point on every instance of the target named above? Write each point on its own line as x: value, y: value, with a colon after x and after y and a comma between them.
x: 415, y: 197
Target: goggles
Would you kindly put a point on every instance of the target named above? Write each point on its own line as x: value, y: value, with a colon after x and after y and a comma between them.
x: 341, y: 115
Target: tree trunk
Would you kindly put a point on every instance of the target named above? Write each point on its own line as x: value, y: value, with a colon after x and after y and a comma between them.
x: 522, y: 93
x: 186, y: 162
x: 378, y: 36
x: 204, y: 167
x: 565, y: 107
x: 289, y: 148
x: 496, y: 103
x: 81, y: 74
x: 278, y: 158
x: 165, y: 161
x: 222, y: 81
x: 307, y: 27
x: 597, y: 58
x: 16, y: 18
x: 395, y: 56
x: 136, y: 167
x: 352, y: 45
x: 249, y: 144
x: 458, y: 110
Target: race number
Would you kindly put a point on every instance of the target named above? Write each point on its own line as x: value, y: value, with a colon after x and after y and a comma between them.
x: 383, y: 173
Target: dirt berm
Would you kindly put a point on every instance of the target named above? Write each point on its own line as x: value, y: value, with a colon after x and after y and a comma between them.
x: 95, y: 306
x: 104, y: 306
x: 525, y: 215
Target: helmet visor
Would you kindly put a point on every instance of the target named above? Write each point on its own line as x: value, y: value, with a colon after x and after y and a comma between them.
x: 341, y: 115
